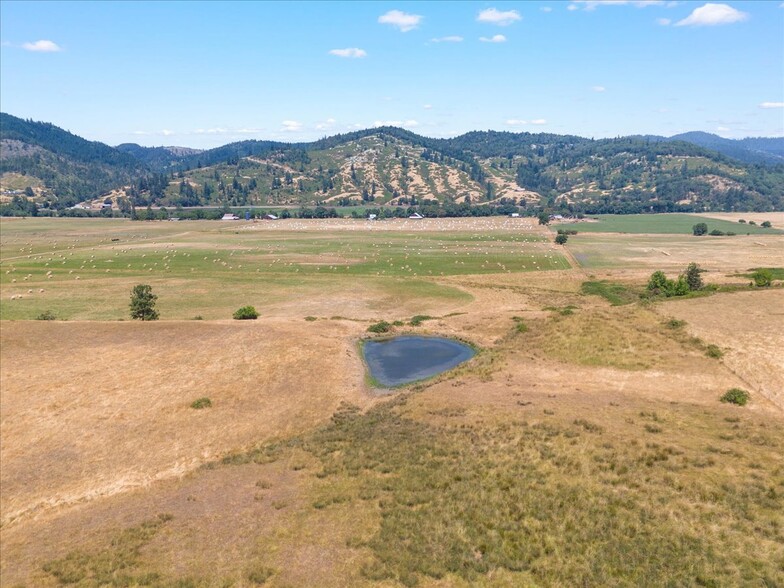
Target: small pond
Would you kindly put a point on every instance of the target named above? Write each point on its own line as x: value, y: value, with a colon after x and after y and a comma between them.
x: 405, y: 359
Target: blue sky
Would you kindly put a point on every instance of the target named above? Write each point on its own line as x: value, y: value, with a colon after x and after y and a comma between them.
x: 204, y: 74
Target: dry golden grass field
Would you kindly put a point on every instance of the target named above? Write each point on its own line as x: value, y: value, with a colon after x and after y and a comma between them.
x: 585, y: 444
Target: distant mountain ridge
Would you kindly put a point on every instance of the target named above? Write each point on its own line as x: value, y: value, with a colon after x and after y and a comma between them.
x: 158, y: 158
x: 750, y: 150
x: 396, y: 167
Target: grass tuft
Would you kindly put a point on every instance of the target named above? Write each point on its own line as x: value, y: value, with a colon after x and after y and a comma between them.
x: 202, y: 402
x: 616, y: 294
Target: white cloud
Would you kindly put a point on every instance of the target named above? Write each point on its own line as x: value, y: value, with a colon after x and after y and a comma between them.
x: 772, y: 105
x: 291, y: 126
x: 167, y: 132
x: 573, y: 7
x: 498, y: 17
x: 663, y: 21
x: 539, y: 121
x: 546, y: 9
x: 711, y: 15
x: 42, y: 46
x: 352, y: 52
x: 427, y: 106
x: 327, y: 124
x: 599, y: 89
x: 493, y: 39
x: 402, y: 20
x: 516, y: 122
x: 722, y: 129
x: 448, y: 39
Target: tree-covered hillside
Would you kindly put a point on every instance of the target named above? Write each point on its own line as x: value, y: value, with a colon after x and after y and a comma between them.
x: 390, y: 166
x: 158, y: 158
x: 62, y: 167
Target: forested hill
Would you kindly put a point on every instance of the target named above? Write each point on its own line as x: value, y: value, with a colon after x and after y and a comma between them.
x: 390, y: 166
x: 60, y: 167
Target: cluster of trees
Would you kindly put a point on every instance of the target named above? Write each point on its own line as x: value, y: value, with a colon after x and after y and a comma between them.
x: 689, y: 281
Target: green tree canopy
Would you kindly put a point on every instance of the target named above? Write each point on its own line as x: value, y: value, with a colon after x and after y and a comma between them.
x: 143, y: 303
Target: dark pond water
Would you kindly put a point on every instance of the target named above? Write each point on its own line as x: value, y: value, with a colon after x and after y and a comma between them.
x: 407, y: 359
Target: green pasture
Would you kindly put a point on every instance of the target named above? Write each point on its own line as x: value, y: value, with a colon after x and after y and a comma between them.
x: 86, y: 267
x: 671, y: 223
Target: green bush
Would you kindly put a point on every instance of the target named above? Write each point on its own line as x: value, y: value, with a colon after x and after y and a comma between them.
x: 714, y: 351
x: 699, y: 229
x: 766, y: 225
x: 47, y: 315
x: 246, y: 313
x: 380, y: 327
x: 717, y: 233
x: 659, y: 284
x: 202, y: 402
x: 561, y: 239
x: 419, y: 319
x: 762, y: 278
x: 310, y: 318
x: 736, y: 396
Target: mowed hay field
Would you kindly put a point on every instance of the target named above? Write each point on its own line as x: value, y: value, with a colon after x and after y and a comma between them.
x: 584, y: 444
x: 208, y: 269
